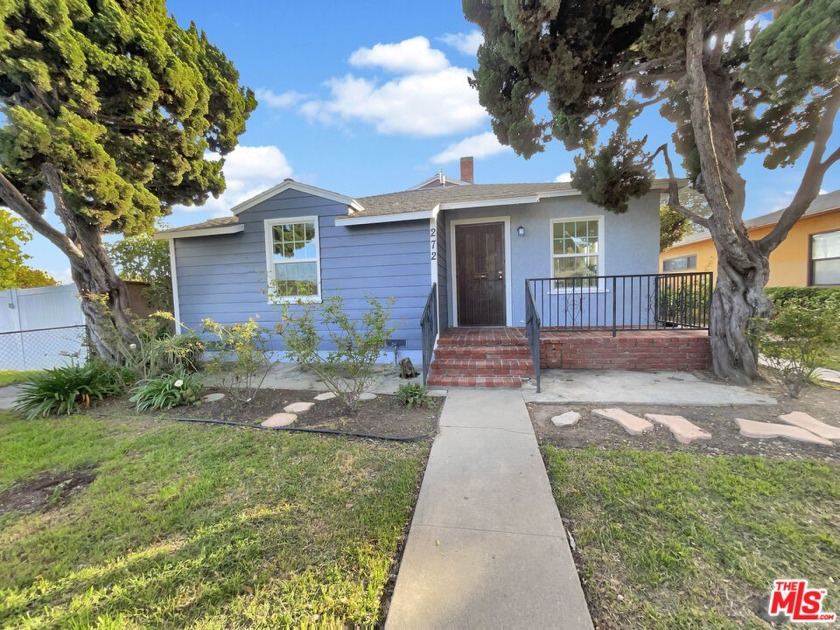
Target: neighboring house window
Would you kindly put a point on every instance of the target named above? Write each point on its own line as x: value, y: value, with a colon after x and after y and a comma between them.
x: 825, y: 258
x: 576, y: 250
x: 293, y: 258
x: 683, y: 263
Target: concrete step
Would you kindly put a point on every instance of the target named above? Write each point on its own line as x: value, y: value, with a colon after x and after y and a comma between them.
x: 446, y: 380
x: 484, y: 367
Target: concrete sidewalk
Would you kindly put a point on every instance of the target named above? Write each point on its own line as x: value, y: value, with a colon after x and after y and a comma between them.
x: 487, y: 548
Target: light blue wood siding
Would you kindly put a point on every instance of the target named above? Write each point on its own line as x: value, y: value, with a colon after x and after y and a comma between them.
x: 225, y: 277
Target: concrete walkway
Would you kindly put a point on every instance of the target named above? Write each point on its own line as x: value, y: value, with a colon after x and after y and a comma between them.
x: 8, y: 395
x: 487, y: 548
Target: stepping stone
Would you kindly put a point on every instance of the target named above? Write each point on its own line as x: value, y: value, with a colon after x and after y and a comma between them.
x: 568, y: 419
x: 634, y: 425
x: 280, y: 420
x: 325, y: 396
x: 299, y: 407
x: 684, y: 431
x: 212, y: 397
x: 804, y: 421
x: 367, y: 396
x: 763, y: 430
x: 829, y: 376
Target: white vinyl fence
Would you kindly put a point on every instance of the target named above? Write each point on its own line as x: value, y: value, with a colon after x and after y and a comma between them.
x: 41, y: 328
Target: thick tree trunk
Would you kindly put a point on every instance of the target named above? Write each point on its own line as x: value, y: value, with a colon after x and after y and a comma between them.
x: 104, y: 298
x: 737, y: 300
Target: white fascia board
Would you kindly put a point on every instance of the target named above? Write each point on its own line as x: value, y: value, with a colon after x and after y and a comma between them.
x: 383, y: 218
x: 488, y: 203
x: 215, y: 231
x: 304, y: 188
x: 559, y: 193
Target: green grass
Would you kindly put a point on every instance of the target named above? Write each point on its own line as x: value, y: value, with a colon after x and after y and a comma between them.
x: 13, y: 377
x: 833, y: 358
x: 679, y: 540
x: 196, y: 526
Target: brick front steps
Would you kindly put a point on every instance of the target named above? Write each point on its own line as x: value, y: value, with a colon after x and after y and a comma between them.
x: 629, y: 350
x: 481, y: 357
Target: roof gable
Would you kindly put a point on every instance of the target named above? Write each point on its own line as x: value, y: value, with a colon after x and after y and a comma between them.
x: 290, y: 184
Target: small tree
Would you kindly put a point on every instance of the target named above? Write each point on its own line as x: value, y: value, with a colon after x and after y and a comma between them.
x: 143, y: 258
x: 734, y: 78
x: 349, y: 368
x: 675, y: 226
x: 241, y: 357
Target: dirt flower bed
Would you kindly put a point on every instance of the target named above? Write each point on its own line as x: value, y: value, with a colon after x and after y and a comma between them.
x: 821, y: 403
x: 384, y: 416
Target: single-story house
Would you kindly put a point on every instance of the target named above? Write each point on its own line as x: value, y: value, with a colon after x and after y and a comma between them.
x: 809, y: 256
x: 454, y: 253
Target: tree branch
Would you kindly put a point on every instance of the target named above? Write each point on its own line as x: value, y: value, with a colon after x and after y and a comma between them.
x: 18, y: 203
x: 674, y: 190
x: 812, y: 179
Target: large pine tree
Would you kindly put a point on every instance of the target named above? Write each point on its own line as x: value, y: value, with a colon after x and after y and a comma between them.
x: 117, y: 113
x: 733, y: 77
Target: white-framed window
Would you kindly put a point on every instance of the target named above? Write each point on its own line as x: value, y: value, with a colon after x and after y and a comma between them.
x: 825, y: 259
x: 577, y: 251
x: 680, y: 263
x: 293, y: 258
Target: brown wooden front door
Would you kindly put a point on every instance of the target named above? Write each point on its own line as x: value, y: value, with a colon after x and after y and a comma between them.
x: 480, y: 274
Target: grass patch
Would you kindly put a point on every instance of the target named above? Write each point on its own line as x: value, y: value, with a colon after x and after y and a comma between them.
x: 13, y: 377
x: 195, y: 526
x: 833, y: 361
x: 679, y: 540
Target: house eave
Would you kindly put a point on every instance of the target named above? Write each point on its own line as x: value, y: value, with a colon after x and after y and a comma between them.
x: 289, y: 184
x: 350, y: 221
x: 215, y: 231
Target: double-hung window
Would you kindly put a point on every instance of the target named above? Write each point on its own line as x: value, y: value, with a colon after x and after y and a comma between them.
x: 825, y: 259
x: 294, y: 266
x: 681, y: 263
x: 576, y: 253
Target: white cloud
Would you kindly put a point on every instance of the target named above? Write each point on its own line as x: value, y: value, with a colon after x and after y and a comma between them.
x: 564, y: 178
x: 481, y: 146
x: 466, y: 43
x: 279, y: 101
x: 434, y: 104
x: 248, y: 171
x: 413, y: 55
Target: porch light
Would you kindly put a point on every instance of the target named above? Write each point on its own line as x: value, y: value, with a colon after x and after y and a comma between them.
x: 520, y: 230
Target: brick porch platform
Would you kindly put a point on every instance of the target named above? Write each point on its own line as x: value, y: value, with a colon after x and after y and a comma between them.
x: 500, y: 357
x: 628, y: 350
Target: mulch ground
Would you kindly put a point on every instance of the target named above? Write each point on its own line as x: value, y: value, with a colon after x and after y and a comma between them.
x: 383, y: 416
x: 821, y: 403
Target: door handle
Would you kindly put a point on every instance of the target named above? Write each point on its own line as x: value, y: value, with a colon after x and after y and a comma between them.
x: 501, y: 275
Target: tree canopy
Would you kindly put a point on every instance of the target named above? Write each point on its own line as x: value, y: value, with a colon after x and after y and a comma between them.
x: 118, y: 113
x: 734, y: 78
x: 143, y: 258
x: 14, y: 272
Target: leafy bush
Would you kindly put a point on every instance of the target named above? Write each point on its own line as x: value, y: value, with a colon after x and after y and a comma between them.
x: 165, y: 392
x: 159, y: 351
x: 67, y: 390
x: 414, y: 395
x: 812, y: 296
x: 246, y: 349
x: 794, y: 340
x: 349, y: 369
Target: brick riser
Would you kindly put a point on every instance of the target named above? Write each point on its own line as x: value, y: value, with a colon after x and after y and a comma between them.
x: 481, y: 358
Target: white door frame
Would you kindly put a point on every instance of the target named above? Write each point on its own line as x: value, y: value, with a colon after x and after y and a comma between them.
x: 452, y: 258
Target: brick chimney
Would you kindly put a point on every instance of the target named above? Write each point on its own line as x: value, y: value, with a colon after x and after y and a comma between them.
x: 467, y: 174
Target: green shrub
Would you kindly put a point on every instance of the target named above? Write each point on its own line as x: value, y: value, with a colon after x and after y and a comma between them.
x: 811, y: 296
x: 165, y: 392
x: 67, y: 390
x: 414, y: 395
x: 242, y: 357
x: 349, y: 369
x: 159, y: 351
x: 795, y: 339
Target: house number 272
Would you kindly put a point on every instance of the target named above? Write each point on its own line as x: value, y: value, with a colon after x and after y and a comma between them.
x: 433, y: 241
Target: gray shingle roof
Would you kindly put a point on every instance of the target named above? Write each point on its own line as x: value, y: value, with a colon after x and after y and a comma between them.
x: 823, y: 203
x: 221, y: 221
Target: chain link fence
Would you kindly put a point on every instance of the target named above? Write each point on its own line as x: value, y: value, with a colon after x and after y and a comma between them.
x: 43, y: 348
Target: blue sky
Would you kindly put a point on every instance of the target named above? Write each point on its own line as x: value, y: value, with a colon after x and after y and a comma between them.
x: 369, y: 97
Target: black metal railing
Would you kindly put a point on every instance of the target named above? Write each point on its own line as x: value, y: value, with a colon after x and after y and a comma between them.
x: 623, y: 303
x: 429, y: 328
x: 532, y: 330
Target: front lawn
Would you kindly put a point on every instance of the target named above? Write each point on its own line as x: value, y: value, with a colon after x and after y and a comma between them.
x: 13, y: 377
x: 687, y: 540
x: 135, y: 522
